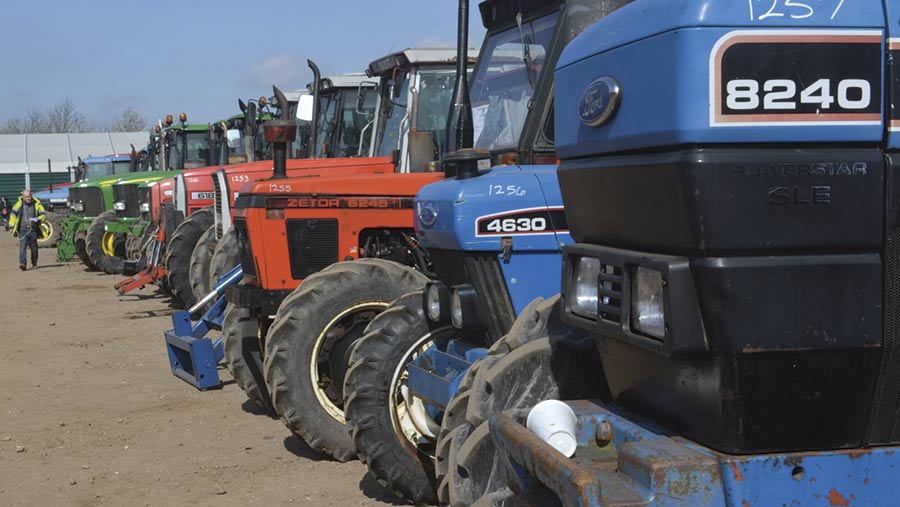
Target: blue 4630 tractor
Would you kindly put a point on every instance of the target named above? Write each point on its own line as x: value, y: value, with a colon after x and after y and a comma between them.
x: 494, y: 238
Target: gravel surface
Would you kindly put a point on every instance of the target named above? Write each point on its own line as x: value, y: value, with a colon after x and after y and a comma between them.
x: 91, y: 415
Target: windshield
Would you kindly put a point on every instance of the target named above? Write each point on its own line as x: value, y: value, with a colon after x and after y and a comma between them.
x: 392, y: 113
x: 97, y: 169
x: 504, y: 85
x: 327, y: 110
x: 353, y: 123
x: 197, y: 148
x: 435, y: 95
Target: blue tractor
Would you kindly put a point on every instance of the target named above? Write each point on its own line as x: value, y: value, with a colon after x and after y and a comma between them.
x: 728, y: 173
x: 494, y: 238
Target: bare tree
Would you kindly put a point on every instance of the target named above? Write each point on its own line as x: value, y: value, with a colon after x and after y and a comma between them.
x: 128, y: 120
x: 64, y: 117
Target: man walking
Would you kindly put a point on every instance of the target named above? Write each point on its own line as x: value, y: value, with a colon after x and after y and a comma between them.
x: 24, y: 221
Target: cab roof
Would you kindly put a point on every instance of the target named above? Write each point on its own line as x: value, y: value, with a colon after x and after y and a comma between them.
x: 107, y: 158
x: 416, y: 56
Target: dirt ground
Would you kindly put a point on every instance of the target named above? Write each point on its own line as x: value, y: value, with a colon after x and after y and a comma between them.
x: 91, y: 415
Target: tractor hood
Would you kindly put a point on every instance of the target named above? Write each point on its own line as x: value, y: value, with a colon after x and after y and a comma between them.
x: 477, y: 214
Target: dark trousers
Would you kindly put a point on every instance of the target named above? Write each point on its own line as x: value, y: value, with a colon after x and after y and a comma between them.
x: 28, y: 240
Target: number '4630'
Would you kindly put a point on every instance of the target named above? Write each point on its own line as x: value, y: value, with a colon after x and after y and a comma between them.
x: 517, y: 224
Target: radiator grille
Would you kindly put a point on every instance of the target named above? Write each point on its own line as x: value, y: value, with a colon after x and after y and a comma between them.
x: 609, y: 293
x: 217, y: 206
x: 482, y: 271
x: 884, y: 416
x: 127, y: 193
x: 240, y: 230
x: 91, y: 197
x: 312, y: 245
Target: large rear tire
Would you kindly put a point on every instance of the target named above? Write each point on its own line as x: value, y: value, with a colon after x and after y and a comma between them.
x: 540, y: 358
x: 308, y: 346
x: 392, y: 433
x: 243, y: 356
x: 178, y: 255
x: 106, y: 250
x: 200, y: 264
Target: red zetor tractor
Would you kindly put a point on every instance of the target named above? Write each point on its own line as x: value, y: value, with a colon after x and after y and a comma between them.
x: 291, y: 229
x: 346, y: 112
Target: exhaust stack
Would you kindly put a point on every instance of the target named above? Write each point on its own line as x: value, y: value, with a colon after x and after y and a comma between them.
x: 280, y: 133
x: 461, y: 160
x: 314, y: 128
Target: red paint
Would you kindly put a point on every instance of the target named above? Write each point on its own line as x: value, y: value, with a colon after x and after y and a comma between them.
x: 835, y: 498
x: 737, y: 473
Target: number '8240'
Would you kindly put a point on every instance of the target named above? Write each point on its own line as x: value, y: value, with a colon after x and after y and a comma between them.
x: 781, y: 94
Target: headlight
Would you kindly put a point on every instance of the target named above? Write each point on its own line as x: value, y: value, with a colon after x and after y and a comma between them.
x: 119, y: 206
x: 145, y: 207
x: 436, y: 301
x: 463, y: 307
x: 585, y: 289
x: 647, y: 311
x: 78, y: 206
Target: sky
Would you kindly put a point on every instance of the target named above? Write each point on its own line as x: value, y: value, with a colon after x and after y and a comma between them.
x: 199, y: 56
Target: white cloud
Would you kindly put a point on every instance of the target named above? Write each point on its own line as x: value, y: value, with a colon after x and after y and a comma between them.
x: 287, y: 71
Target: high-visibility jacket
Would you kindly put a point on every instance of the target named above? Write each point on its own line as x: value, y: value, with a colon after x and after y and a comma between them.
x: 14, y: 214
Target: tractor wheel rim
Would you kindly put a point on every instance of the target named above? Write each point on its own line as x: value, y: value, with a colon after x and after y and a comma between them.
x: 357, y: 316
x: 410, y: 422
x: 47, y: 227
x: 109, y: 244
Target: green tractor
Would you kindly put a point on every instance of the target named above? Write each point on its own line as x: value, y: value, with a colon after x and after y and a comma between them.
x: 106, y: 183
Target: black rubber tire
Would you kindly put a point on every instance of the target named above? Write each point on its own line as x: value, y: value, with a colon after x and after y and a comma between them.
x: 54, y: 220
x: 93, y: 244
x: 240, y: 340
x: 200, y: 264
x: 540, y: 358
x: 356, y: 290
x: 178, y: 255
x: 135, y: 245
x: 81, y: 252
x: 402, y: 466
x: 226, y: 257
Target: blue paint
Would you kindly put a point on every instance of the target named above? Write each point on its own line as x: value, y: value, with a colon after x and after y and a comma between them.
x: 666, y: 99
x: 193, y: 357
x: 646, y: 465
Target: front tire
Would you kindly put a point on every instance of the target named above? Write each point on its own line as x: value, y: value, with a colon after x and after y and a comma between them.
x: 178, y: 255
x: 308, y: 346
x: 52, y: 228
x: 200, y: 264
x: 105, y: 250
x: 540, y: 358
x: 243, y: 355
x: 390, y: 430
x: 226, y: 257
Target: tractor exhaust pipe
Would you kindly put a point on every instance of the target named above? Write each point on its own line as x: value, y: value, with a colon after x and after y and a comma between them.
x: 314, y: 128
x: 280, y: 133
x: 461, y: 160
x: 50, y: 174
x: 460, y: 131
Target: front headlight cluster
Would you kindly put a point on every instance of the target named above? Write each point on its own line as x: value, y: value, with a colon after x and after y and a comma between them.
x: 457, y: 305
x: 77, y: 206
x: 145, y: 207
x: 596, y: 293
x: 119, y: 206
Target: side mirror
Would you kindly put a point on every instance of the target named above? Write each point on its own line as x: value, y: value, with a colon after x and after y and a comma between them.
x: 305, y: 108
x: 365, y: 98
x: 399, y: 76
x: 234, y: 138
